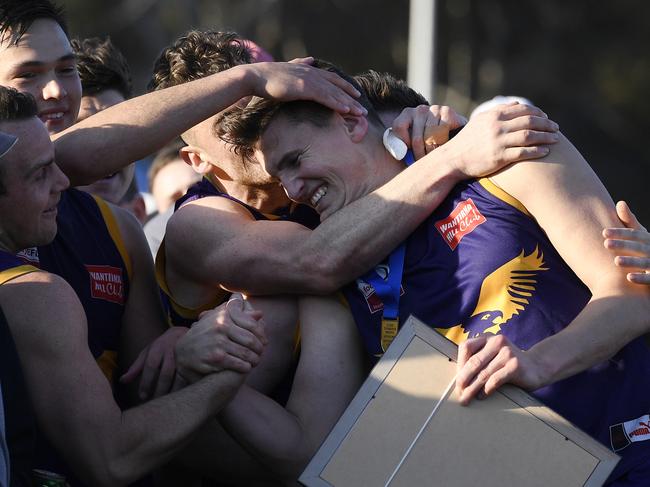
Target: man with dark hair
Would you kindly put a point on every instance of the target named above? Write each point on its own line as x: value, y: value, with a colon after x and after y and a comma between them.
x: 105, y: 81
x: 72, y: 399
x: 102, y: 67
x: 492, y: 269
x: 236, y: 200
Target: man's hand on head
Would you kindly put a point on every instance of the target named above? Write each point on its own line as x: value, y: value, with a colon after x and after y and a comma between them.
x: 230, y: 336
x: 297, y: 80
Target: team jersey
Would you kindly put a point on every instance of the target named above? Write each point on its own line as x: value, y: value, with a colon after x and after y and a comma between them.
x: 20, y: 423
x: 480, y: 265
x: 180, y: 315
x: 88, y: 252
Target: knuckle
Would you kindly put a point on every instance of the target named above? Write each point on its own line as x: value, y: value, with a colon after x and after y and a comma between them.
x: 483, y: 376
x: 474, y: 362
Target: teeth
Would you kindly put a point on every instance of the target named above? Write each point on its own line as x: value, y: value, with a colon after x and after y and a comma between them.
x: 53, y: 116
x: 320, y: 192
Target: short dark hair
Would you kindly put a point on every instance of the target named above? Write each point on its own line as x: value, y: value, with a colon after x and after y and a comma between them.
x: 102, y: 67
x: 388, y: 93
x: 15, y: 105
x: 242, y: 127
x: 16, y: 16
x: 196, y: 55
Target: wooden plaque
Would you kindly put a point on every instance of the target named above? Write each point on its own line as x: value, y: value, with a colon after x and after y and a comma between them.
x: 405, y: 427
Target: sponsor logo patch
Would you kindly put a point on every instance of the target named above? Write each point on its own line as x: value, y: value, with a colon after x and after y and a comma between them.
x: 29, y: 256
x: 106, y: 283
x: 462, y: 221
x: 373, y: 300
x: 622, y: 434
x: 368, y: 292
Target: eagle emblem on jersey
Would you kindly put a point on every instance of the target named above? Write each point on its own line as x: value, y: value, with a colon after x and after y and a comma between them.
x: 504, y: 294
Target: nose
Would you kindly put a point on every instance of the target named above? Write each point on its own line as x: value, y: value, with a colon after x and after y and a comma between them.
x: 53, y: 89
x: 294, y: 187
x: 61, y: 180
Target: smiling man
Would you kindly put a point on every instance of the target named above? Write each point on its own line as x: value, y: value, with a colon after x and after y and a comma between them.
x: 492, y: 269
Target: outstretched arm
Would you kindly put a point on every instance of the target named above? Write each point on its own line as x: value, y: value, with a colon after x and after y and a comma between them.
x: 73, y: 401
x: 572, y: 206
x: 115, y: 137
x: 285, y: 257
x: 329, y: 374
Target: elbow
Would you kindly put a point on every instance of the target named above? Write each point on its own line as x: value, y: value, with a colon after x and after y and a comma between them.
x: 114, y: 473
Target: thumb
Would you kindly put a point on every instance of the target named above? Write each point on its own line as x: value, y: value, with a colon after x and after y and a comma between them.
x: 627, y: 217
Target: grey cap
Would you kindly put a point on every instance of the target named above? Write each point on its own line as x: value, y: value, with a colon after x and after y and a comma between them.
x: 7, y: 141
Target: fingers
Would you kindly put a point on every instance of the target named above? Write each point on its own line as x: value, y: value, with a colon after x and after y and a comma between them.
x: 509, y: 111
x: 149, y: 374
x: 135, y: 370
x: 303, y: 60
x: 631, y: 244
x: 639, y: 277
x: 516, y: 154
x: 492, y: 362
x: 166, y: 374
x: 338, y: 94
x: 627, y: 217
x: 249, y: 329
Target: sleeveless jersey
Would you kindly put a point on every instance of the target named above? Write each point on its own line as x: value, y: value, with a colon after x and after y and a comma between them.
x: 182, y: 316
x: 88, y: 252
x: 481, y: 265
x: 20, y: 423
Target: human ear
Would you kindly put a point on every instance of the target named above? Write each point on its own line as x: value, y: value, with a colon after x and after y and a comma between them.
x: 194, y: 157
x: 356, y: 126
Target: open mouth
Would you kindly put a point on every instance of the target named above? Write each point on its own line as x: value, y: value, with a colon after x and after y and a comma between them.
x: 318, y: 194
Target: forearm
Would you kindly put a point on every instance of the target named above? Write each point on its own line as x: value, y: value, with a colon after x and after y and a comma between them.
x: 269, y: 432
x: 115, y: 137
x: 149, y: 435
x: 362, y: 234
x: 601, y: 329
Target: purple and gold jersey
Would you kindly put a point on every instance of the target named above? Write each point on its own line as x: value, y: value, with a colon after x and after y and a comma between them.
x: 88, y: 252
x: 481, y: 265
x: 182, y: 316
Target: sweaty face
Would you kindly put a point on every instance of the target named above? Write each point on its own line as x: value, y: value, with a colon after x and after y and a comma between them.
x: 43, y: 65
x: 320, y: 167
x: 33, y: 184
x: 111, y: 188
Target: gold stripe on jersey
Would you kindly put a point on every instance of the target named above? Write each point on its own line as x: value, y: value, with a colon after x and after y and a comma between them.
x: 161, y: 278
x: 14, y: 272
x: 503, y: 196
x: 114, y: 231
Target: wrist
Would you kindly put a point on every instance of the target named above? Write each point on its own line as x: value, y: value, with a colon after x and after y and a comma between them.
x: 247, y: 78
x: 546, y: 366
x: 448, y: 163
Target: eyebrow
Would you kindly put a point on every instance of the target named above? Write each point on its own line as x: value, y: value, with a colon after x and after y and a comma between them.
x: 37, y: 64
x: 288, y: 159
x: 38, y: 166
